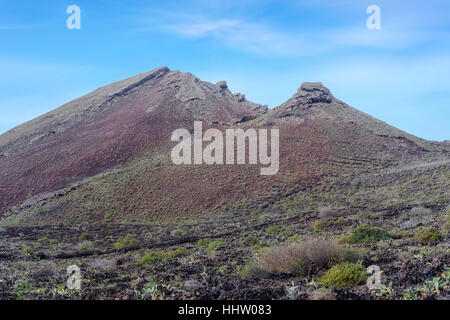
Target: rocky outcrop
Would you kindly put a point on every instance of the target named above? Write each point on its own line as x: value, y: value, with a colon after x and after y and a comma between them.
x: 312, y: 92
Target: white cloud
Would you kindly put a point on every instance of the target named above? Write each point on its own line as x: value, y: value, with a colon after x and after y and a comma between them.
x: 248, y: 36
x: 265, y: 38
x: 205, y: 28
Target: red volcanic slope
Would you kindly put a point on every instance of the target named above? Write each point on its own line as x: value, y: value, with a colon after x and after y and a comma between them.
x: 109, y: 126
x: 130, y: 122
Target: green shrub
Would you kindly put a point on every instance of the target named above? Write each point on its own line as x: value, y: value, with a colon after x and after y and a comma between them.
x: 29, y: 250
x: 272, y: 229
x: 250, y: 241
x: 47, y: 240
x: 83, y: 248
x: 128, y: 241
x: 21, y: 289
x: 321, y: 224
x: 153, y: 256
x: 252, y: 270
x: 302, y: 257
x: 182, y: 251
x: 216, y: 245
x: 210, y: 244
x: 428, y: 235
x: 367, y: 234
x: 84, y: 236
x: 203, y: 242
x: 344, y: 275
x: 403, y: 234
x: 285, y: 233
x: 294, y: 238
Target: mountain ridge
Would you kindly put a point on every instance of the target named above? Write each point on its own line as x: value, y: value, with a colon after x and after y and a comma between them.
x: 124, y: 125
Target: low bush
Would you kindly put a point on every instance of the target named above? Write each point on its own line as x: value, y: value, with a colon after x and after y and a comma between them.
x: 402, y: 234
x: 272, y: 229
x: 250, y: 241
x: 428, y: 235
x: 128, y: 241
x: 153, y: 256
x: 302, y: 258
x: 29, y: 250
x: 366, y: 234
x: 182, y: 251
x: 252, y: 270
x: 344, y: 275
x: 210, y: 244
x: 294, y: 238
x: 321, y: 224
x: 214, y: 245
x: 203, y: 242
x: 84, y: 236
x: 83, y: 248
x: 48, y: 240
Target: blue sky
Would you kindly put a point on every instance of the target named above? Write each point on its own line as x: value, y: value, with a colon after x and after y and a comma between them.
x: 265, y: 49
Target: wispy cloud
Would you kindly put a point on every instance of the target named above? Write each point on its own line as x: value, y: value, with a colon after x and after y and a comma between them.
x: 265, y: 38
x: 234, y: 32
x: 204, y: 28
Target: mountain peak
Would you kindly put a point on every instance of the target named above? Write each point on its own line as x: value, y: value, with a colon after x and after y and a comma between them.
x: 308, y: 95
x: 313, y: 92
x: 160, y: 69
x: 312, y: 86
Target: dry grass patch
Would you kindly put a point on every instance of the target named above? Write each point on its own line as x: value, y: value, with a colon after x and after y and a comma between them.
x: 303, y: 258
